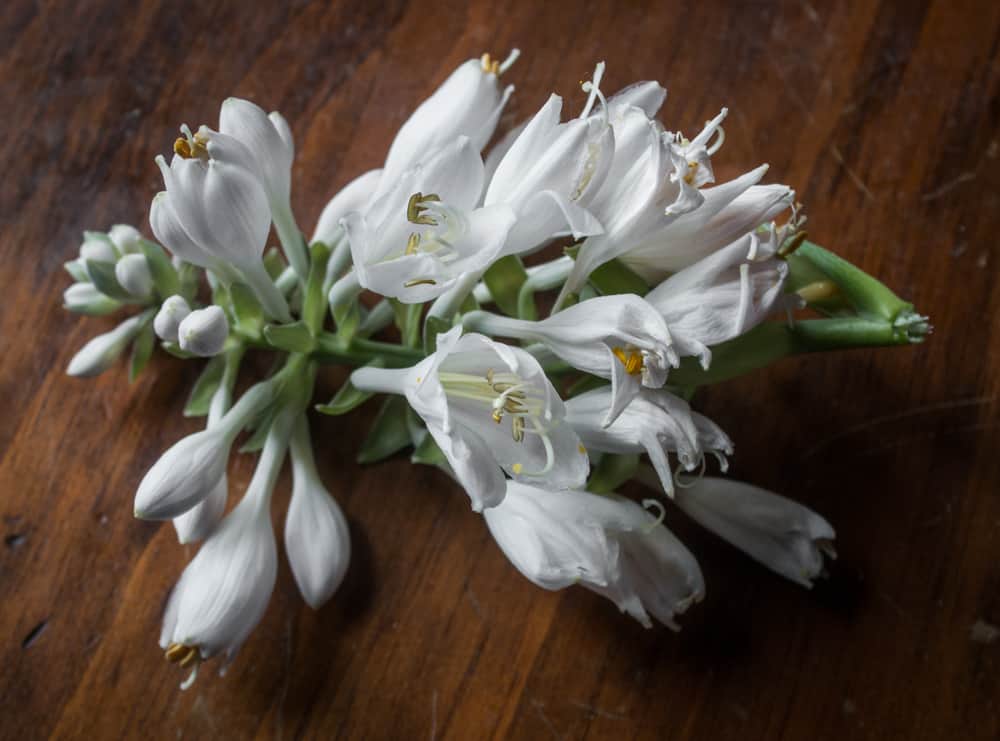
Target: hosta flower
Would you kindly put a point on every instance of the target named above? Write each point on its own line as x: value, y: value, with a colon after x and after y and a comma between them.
x: 491, y: 409
x: 223, y: 592
x: 468, y: 103
x: 618, y: 337
x: 132, y: 273
x: 655, y: 423
x: 101, y: 352
x: 203, y: 332
x: 415, y: 241
x: 168, y: 319
x: 781, y: 534
x: 317, y: 540
x: 606, y: 543
x: 214, y: 212
x: 723, y: 295
x: 187, y: 472
x: 352, y: 197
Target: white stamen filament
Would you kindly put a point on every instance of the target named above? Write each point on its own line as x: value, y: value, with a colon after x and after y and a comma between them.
x: 746, y: 296
x: 509, y: 61
x: 594, y: 88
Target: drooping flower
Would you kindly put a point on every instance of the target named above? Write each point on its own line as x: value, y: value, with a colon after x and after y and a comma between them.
x: 425, y: 233
x: 618, y: 337
x: 656, y: 423
x: 491, y: 409
x: 606, y: 543
x: 317, y: 539
x: 722, y: 295
x: 785, y: 536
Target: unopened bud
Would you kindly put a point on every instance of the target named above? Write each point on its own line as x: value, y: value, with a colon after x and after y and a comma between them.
x: 132, y: 272
x: 204, y: 331
x: 84, y: 298
x: 97, y: 248
x: 173, y: 311
x: 97, y: 355
x: 126, y: 238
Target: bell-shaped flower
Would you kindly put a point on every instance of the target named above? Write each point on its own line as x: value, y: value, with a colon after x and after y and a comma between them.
x: 785, y: 536
x: 126, y: 238
x: 203, y: 332
x: 425, y: 233
x: 223, y: 593
x: 656, y: 423
x: 492, y: 410
x: 133, y: 274
x: 317, y: 539
x: 468, y: 103
x: 214, y: 212
x: 101, y: 352
x: 84, y: 298
x: 618, y: 337
x: 168, y: 319
x: 606, y: 543
x: 722, y: 295
x: 190, y: 469
x: 549, y: 174
x: 352, y: 197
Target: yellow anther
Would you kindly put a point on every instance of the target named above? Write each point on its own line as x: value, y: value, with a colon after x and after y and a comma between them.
x: 791, y: 244
x: 490, y: 65
x: 194, y: 148
x: 583, y: 450
x: 415, y: 208
x: 413, y: 244
x: 818, y: 291
x: 420, y: 282
x: 631, y: 359
x: 692, y: 169
x: 517, y: 468
x: 178, y: 653
x: 517, y: 429
x: 497, y: 415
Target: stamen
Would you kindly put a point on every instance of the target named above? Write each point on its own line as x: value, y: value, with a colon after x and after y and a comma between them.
x: 694, y: 479
x: 791, y: 244
x: 692, y: 169
x: 420, y: 282
x: 412, y: 244
x: 509, y: 61
x: 415, y: 208
x: 746, y: 298
x: 661, y: 513
x: 720, y: 138
x: 818, y: 291
x: 631, y: 359
x: 593, y: 87
x: 191, y: 146
x: 490, y: 66
x: 175, y: 651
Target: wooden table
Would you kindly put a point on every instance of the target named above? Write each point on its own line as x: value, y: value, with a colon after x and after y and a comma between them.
x: 885, y: 117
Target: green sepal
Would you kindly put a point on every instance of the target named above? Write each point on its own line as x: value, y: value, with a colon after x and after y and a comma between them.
x: 615, y: 277
x: 77, y: 269
x: 407, y: 318
x: 142, y: 351
x: 314, y: 303
x: 504, y: 279
x: 188, y: 281
x: 428, y: 453
x: 248, y: 312
x: 294, y: 337
x: 389, y: 434
x: 172, y: 348
x: 165, y: 278
x: 200, y: 398
x: 274, y: 263
x: 348, y: 396
x: 347, y: 317
x: 611, y: 472
x: 102, y: 275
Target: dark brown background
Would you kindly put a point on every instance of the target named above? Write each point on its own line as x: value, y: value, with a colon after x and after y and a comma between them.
x: 883, y: 114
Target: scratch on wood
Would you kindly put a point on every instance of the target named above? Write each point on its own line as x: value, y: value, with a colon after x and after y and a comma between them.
x: 34, y: 634
x: 853, y: 176
x: 598, y: 712
x: 949, y: 186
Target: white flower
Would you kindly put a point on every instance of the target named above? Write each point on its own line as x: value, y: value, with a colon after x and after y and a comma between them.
x: 549, y: 174
x: 168, y: 319
x: 317, y: 540
x: 190, y: 469
x: 468, y: 103
x: 99, y: 353
x: 722, y: 295
x: 491, y: 409
x: 352, y: 197
x: 223, y: 592
x: 132, y: 273
x: 422, y: 235
x: 779, y: 533
x: 84, y: 298
x: 619, y: 337
x: 126, y: 238
x: 655, y: 423
x: 97, y: 247
x: 203, y: 332
x: 606, y: 543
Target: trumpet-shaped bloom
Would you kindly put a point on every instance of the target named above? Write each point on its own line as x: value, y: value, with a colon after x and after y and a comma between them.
x: 317, y: 540
x: 723, y: 295
x: 421, y: 236
x: 491, y: 409
x: 468, y: 103
x: 785, y: 536
x: 223, y: 592
x: 619, y: 337
x: 268, y: 140
x: 606, y: 543
x: 656, y: 423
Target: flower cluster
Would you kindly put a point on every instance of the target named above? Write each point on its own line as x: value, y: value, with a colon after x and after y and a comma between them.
x: 655, y: 280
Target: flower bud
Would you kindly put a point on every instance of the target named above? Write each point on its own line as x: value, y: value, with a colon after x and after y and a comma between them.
x: 132, y: 272
x: 126, y: 238
x: 97, y: 248
x: 184, y: 475
x: 84, y: 298
x: 168, y: 319
x: 97, y: 355
x: 204, y: 331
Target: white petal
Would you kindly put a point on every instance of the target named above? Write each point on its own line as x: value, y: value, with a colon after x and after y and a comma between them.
x: 352, y: 197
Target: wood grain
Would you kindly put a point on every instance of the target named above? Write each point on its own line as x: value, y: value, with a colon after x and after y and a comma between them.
x: 884, y: 115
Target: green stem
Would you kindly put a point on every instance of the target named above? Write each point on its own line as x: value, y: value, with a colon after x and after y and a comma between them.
x: 359, y: 351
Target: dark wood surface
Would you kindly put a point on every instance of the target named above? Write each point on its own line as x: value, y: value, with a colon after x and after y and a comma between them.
x: 884, y: 115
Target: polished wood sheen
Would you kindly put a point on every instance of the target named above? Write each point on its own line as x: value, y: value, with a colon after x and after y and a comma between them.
x: 883, y: 115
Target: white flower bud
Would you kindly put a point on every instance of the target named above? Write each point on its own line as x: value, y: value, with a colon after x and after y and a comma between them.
x: 97, y: 355
x: 168, y: 319
x: 84, y: 298
x: 126, y: 238
x: 132, y: 272
x: 204, y: 331
x: 95, y: 248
